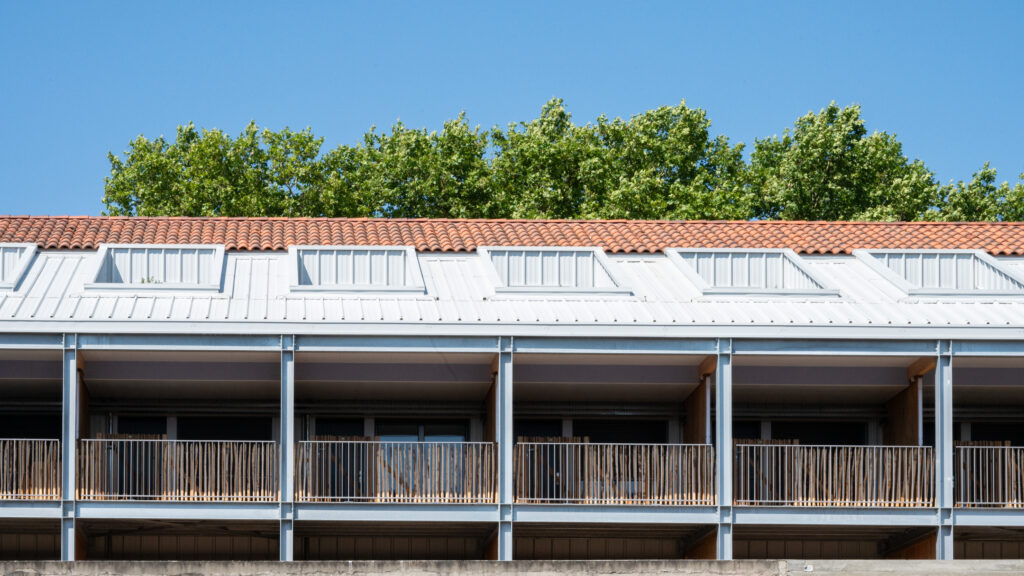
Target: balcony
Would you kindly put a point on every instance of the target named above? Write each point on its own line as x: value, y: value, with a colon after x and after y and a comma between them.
x: 178, y: 470
x: 834, y: 476
x: 584, y: 473
x: 989, y: 476
x: 396, y: 472
x: 29, y: 469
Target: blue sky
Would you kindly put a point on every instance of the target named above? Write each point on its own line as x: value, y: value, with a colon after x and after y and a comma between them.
x: 80, y: 79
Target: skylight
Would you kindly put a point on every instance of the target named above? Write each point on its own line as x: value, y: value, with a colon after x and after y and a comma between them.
x: 550, y: 269
x: 158, y: 267
x: 355, y: 268
x: 744, y: 271
x: 14, y: 261
x: 943, y: 272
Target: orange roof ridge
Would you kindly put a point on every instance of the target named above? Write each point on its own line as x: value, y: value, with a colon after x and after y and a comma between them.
x: 460, y: 234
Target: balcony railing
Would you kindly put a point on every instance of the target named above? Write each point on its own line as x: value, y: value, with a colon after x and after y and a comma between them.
x: 868, y: 476
x: 181, y: 470
x: 584, y: 473
x: 29, y: 469
x: 421, y: 472
x: 988, y: 476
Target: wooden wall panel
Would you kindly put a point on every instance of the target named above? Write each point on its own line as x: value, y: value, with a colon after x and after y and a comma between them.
x: 597, y: 548
x: 29, y: 546
x: 389, y: 548
x: 902, y: 424
x: 181, y: 547
x: 817, y: 549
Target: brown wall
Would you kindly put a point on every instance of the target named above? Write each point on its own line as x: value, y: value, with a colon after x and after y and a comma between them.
x: 181, y: 547
x: 582, y: 548
x: 389, y: 548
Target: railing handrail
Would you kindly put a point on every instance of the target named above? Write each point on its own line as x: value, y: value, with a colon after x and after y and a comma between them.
x: 607, y: 444
x: 989, y: 447
x: 29, y: 439
x: 167, y: 440
x: 411, y: 442
x: 798, y: 446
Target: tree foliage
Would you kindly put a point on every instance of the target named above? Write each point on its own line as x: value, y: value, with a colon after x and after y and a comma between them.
x: 661, y: 164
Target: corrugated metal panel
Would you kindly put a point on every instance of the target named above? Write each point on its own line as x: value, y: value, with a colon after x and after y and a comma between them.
x: 754, y: 270
x: 550, y: 269
x: 152, y: 265
x: 947, y: 271
x: 353, y: 267
x: 10, y: 258
x: 458, y: 291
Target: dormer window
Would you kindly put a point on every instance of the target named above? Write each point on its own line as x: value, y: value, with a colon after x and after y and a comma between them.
x: 761, y: 271
x: 550, y: 269
x: 355, y: 269
x: 158, y: 267
x: 943, y: 272
x: 14, y: 262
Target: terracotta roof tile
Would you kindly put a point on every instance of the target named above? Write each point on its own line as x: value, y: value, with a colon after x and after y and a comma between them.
x: 85, y: 232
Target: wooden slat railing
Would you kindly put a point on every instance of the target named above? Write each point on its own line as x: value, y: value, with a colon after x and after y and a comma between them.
x: 866, y: 476
x: 29, y: 469
x: 988, y: 476
x: 583, y: 473
x: 181, y: 470
x: 421, y: 472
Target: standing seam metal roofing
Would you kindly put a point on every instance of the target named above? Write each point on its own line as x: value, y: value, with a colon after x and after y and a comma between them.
x: 440, y: 235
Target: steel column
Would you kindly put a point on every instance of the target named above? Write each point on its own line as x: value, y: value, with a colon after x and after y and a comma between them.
x: 503, y: 435
x: 723, y: 447
x: 69, y: 446
x: 287, y: 450
x: 944, y: 449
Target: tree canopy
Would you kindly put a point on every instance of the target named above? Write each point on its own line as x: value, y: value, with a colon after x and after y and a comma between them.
x: 660, y: 164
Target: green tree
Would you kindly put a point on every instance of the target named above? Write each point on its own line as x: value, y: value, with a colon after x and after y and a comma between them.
x: 980, y: 200
x: 662, y: 163
x: 208, y: 173
x: 827, y: 167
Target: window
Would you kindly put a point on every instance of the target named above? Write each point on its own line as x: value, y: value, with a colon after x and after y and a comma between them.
x: 768, y: 271
x: 355, y: 268
x: 158, y: 267
x: 938, y: 272
x: 545, y: 269
x: 14, y: 261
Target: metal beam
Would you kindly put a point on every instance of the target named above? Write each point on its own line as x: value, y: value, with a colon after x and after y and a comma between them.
x: 170, y: 342
x: 372, y: 512
x: 287, y: 444
x: 29, y: 341
x: 69, y: 445
x: 614, y: 514
x: 162, y: 510
x: 533, y: 345
x: 1008, y: 347
x: 503, y: 399
x: 792, y: 516
x: 995, y: 517
x: 29, y: 509
x: 723, y: 446
x: 944, y: 448
x: 835, y: 347
x: 469, y: 344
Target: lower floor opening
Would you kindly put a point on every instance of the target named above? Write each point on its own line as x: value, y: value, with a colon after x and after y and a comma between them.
x: 833, y: 542
x: 178, y: 540
x: 29, y: 539
x: 616, y: 542
x: 395, y: 541
x: 989, y: 543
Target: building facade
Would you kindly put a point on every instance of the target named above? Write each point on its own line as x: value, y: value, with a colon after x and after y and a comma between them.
x: 179, y: 388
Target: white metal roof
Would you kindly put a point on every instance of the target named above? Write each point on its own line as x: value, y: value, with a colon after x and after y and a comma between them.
x: 460, y: 297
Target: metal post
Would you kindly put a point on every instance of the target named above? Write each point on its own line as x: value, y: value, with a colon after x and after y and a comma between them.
x: 503, y: 435
x: 944, y: 450
x: 69, y: 447
x: 287, y: 451
x: 723, y: 447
